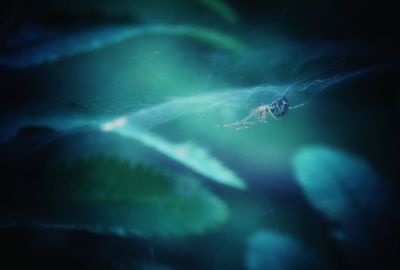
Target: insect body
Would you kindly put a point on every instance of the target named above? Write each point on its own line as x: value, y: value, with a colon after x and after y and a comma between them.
x: 276, y: 109
x: 279, y: 107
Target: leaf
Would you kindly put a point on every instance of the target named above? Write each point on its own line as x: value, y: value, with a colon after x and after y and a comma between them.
x: 190, y: 155
x: 222, y: 8
x: 107, y: 195
x: 275, y: 251
x: 344, y: 188
x: 61, y: 45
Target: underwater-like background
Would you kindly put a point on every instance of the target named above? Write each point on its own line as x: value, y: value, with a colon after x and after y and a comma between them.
x: 122, y: 145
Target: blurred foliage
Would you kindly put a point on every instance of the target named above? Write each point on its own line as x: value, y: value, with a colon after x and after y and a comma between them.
x: 222, y: 8
x: 107, y: 195
x: 67, y: 28
x: 146, y: 10
x: 275, y: 251
x: 343, y: 187
x: 350, y: 195
x: 50, y: 48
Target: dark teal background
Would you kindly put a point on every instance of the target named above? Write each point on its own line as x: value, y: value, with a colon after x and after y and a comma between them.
x: 284, y: 41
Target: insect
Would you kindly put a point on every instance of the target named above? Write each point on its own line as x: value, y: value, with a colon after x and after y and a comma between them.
x: 259, y: 115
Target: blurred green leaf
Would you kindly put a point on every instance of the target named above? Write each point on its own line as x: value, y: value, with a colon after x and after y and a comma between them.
x: 222, y: 8
x: 66, y: 45
x: 107, y: 195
